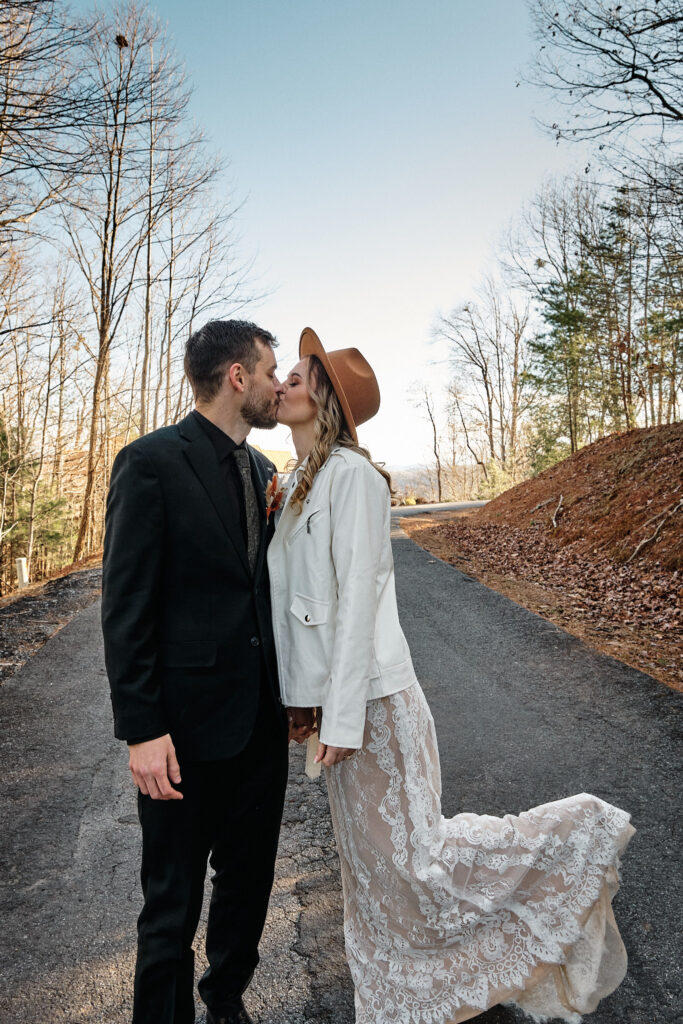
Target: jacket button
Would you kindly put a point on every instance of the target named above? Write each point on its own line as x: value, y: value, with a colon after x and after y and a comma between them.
x: 255, y: 642
x: 307, y: 618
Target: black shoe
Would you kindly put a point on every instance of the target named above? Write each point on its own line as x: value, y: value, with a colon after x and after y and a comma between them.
x: 235, y: 1015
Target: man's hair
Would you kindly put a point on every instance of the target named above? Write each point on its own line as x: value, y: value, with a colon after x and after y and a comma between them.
x: 212, y: 350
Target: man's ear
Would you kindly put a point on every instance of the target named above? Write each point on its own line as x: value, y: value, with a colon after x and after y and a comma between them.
x: 237, y: 376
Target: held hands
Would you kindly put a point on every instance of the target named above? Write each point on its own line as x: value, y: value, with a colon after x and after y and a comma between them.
x: 152, y: 765
x: 301, y: 723
x: 332, y: 755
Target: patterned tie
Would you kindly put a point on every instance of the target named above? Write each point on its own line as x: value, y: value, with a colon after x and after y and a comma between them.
x: 250, y: 505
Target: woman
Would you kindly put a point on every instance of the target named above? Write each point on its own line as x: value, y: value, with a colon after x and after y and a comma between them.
x: 444, y: 918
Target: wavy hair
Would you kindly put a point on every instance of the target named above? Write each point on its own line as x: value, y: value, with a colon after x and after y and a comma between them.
x: 330, y: 431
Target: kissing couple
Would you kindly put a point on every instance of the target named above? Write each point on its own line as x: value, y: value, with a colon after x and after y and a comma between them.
x: 238, y: 616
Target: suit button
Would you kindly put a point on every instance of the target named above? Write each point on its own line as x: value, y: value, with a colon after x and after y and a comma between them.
x: 255, y: 642
x: 307, y: 618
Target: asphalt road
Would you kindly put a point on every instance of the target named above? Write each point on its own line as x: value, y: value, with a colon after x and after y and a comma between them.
x: 525, y: 713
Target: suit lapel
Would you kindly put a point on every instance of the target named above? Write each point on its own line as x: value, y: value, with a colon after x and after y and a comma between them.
x: 202, y: 457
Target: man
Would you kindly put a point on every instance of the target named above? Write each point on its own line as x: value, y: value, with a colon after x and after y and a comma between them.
x: 191, y: 663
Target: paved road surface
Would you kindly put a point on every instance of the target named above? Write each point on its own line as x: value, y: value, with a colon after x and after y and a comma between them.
x: 525, y: 713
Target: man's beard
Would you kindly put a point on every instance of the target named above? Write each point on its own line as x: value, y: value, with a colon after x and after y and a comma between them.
x: 259, y: 411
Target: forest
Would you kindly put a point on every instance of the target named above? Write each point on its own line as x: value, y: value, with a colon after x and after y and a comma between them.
x: 117, y: 233
x: 575, y: 331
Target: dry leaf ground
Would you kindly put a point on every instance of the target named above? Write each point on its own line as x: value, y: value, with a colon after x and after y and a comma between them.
x: 616, y: 494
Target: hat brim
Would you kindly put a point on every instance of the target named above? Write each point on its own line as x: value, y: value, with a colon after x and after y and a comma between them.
x: 311, y: 345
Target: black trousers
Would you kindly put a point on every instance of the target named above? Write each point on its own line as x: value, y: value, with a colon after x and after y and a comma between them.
x: 230, y: 816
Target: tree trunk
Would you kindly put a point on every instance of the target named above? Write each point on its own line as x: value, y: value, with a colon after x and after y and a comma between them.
x: 87, y: 507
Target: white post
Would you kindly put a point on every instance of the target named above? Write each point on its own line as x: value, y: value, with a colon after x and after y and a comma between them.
x: 22, y: 573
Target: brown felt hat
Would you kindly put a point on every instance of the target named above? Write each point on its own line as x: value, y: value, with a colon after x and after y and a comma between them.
x: 352, y: 378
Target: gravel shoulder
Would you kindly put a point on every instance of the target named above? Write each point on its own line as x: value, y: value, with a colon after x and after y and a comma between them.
x: 30, y: 617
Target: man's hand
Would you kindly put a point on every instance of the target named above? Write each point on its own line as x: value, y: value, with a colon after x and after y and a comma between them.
x: 332, y: 755
x: 152, y: 765
x: 301, y: 723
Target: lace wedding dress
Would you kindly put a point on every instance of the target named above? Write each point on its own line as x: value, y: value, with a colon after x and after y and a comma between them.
x: 445, y: 918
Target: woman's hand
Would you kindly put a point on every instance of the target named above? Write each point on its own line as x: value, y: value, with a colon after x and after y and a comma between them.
x: 332, y: 755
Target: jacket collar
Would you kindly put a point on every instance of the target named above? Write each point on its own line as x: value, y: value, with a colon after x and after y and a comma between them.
x: 285, y: 513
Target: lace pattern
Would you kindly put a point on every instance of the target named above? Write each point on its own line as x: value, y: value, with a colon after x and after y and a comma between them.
x: 445, y: 918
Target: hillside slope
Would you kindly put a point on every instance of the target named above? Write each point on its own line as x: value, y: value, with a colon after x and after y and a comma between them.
x: 609, y: 568
x: 615, y: 493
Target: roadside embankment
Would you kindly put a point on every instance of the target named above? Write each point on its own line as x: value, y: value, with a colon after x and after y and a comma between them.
x: 594, y: 544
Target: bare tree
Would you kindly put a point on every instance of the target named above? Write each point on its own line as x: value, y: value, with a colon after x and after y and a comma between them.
x: 426, y: 402
x: 612, y: 66
x: 461, y: 425
x: 180, y: 175
x: 491, y: 392
x: 43, y: 106
x: 23, y: 417
x: 110, y: 218
x: 99, y: 157
x: 194, y: 268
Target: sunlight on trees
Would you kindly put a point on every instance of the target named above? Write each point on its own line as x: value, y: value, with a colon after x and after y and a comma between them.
x: 107, y: 255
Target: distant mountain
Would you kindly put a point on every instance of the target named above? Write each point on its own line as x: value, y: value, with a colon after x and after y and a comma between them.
x: 459, y: 483
x: 413, y: 481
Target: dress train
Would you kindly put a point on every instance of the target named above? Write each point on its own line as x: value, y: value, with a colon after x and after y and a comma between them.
x: 445, y: 918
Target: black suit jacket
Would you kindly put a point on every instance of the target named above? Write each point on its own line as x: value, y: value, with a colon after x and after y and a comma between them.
x: 187, y: 628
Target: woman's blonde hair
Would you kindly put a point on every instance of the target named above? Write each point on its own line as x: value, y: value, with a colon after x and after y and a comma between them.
x: 330, y: 431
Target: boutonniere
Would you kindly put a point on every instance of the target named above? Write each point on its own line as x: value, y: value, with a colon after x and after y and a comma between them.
x: 274, y: 496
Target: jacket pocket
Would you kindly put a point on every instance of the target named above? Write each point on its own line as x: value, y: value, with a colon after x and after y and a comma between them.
x: 309, y: 610
x: 193, y: 654
x: 307, y: 519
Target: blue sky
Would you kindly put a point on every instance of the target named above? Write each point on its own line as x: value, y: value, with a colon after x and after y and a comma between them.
x: 381, y: 147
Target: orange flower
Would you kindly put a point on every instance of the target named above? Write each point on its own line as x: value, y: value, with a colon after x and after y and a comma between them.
x: 273, y: 496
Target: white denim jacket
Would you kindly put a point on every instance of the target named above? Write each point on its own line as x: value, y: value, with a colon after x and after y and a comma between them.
x: 338, y: 638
